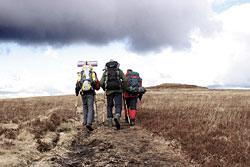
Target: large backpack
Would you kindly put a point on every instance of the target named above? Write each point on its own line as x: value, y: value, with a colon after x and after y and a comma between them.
x: 112, y: 77
x: 87, y: 78
x: 134, y: 81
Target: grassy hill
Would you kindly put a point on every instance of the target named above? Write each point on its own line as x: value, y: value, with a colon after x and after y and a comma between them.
x: 206, y: 127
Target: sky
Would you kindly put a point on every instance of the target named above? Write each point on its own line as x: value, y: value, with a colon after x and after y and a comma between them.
x: 200, y: 42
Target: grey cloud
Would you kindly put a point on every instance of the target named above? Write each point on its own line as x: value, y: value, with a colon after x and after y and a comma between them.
x: 27, y: 93
x: 5, y: 51
x: 237, y: 74
x: 165, y: 76
x: 145, y: 25
x: 7, y: 92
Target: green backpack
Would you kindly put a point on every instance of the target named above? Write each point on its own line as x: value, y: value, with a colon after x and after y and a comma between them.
x: 134, y: 81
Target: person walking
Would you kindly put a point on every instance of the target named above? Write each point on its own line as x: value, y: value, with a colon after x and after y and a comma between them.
x: 86, y: 85
x: 127, y: 103
x: 134, y: 91
x: 114, y: 83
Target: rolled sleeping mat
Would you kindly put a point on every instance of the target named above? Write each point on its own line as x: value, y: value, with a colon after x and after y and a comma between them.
x: 87, y: 63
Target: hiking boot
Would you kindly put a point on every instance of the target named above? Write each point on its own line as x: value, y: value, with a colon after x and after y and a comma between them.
x: 110, y: 122
x: 117, y: 121
x: 132, y: 122
x: 89, y: 127
x: 126, y: 119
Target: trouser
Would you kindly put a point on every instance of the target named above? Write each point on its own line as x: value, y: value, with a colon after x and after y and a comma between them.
x: 117, y: 97
x: 88, y: 108
x: 131, y: 103
x: 131, y: 106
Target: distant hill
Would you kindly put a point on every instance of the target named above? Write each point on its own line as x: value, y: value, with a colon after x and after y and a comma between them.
x: 174, y: 85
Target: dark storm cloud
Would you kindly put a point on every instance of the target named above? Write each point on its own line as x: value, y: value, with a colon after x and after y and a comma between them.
x: 145, y: 25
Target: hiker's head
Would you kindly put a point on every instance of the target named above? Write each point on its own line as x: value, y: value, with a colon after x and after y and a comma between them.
x: 129, y: 70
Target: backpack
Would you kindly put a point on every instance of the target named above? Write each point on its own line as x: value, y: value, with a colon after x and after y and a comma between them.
x: 87, y: 78
x: 134, y: 81
x: 112, y: 77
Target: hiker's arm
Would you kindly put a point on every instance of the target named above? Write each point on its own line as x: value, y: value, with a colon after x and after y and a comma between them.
x: 78, y: 88
x: 140, y: 96
x: 124, y: 81
x: 97, y: 84
x: 102, y: 81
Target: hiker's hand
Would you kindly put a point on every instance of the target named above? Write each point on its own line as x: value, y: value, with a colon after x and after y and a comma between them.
x: 140, y: 97
x: 77, y: 91
x: 94, y: 84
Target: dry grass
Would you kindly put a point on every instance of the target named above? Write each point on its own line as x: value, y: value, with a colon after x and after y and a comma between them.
x: 26, y: 123
x: 210, y: 126
x: 39, y: 114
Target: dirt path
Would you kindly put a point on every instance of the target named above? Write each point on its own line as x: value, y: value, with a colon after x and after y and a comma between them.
x: 105, y: 146
x: 108, y: 147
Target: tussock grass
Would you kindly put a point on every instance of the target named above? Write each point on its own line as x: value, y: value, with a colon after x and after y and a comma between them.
x: 38, y: 114
x: 212, y: 127
x: 31, y: 126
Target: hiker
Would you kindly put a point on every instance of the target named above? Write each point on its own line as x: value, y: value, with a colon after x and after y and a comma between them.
x: 114, y: 83
x: 86, y: 85
x: 134, y: 91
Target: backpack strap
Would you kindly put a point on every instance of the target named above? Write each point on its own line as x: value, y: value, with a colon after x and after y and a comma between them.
x: 90, y: 65
x: 80, y: 77
x: 93, y: 76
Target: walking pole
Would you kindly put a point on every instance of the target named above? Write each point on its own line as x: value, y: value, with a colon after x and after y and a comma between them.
x: 97, y: 117
x: 125, y: 107
x: 104, y: 108
x: 76, y: 105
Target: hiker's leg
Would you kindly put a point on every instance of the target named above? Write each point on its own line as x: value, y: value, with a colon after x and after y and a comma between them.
x: 85, y: 109
x: 128, y: 101
x: 118, y: 109
x: 90, y: 115
x: 118, y: 103
x: 133, y: 103
x: 110, y: 105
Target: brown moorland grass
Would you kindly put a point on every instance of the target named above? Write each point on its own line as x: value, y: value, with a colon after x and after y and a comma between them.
x: 211, y: 127
x: 31, y: 126
x: 23, y: 109
x: 37, y: 114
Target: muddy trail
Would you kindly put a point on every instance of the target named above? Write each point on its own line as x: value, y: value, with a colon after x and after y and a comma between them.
x: 106, y: 146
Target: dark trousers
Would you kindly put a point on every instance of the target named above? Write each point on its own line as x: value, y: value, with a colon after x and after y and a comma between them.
x: 88, y: 108
x: 131, y: 103
x: 117, y: 97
